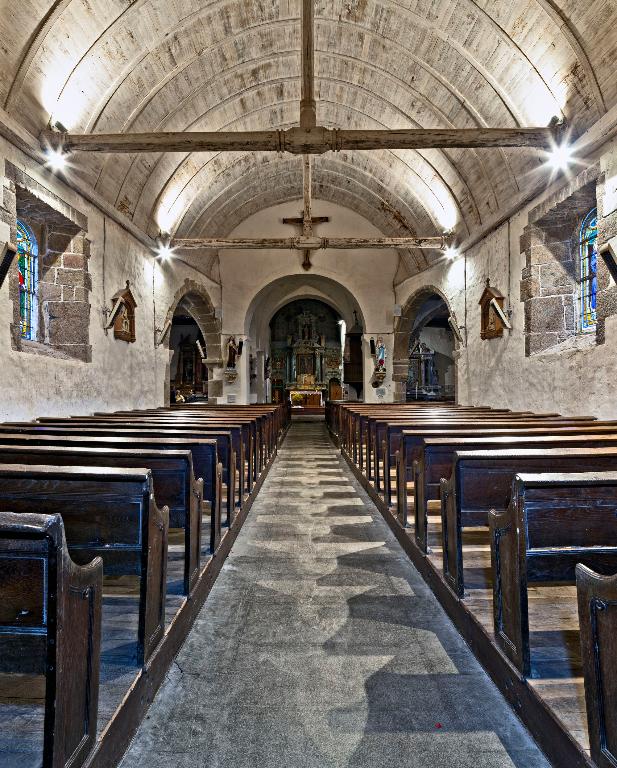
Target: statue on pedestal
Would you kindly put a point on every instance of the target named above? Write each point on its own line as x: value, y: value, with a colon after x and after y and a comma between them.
x: 380, y: 360
x: 231, y: 374
x: 232, y: 352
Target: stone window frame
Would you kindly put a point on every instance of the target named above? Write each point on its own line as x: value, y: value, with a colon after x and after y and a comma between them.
x: 578, y: 308
x: 64, y: 283
x: 550, y: 284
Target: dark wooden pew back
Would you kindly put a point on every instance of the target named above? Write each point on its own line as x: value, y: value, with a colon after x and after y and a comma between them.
x: 597, y: 611
x: 50, y: 624
x: 109, y: 513
x: 175, y: 486
x: 482, y: 480
x: 553, y: 522
x: 206, y: 451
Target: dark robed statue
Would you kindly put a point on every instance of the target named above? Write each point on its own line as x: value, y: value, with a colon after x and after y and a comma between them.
x: 232, y: 352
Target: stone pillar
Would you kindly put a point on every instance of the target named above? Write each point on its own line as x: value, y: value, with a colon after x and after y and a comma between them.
x: 64, y: 289
x: 260, y: 384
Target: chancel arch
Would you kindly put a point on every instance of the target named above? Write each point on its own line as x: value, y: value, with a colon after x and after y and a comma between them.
x: 326, y: 303
x: 307, y: 339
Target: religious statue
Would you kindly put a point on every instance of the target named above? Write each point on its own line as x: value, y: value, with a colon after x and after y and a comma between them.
x: 380, y: 360
x: 380, y: 356
x: 124, y: 321
x: 232, y: 352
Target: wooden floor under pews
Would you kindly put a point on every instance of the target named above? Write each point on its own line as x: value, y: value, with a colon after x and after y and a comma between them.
x: 62, y: 705
x: 563, y: 684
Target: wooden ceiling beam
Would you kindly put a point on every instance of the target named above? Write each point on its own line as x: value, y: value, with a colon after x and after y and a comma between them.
x: 304, y: 141
x: 308, y: 106
x: 308, y: 243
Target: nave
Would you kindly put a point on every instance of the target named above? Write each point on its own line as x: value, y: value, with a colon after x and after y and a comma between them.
x: 321, y: 646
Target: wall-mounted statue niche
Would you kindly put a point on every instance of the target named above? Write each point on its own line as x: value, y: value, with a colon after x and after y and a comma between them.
x: 122, y: 316
x: 493, y: 318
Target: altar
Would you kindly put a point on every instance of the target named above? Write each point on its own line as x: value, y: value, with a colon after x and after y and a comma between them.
x: 305, y: 392
x: 301, y: 398
x: 305, y: 356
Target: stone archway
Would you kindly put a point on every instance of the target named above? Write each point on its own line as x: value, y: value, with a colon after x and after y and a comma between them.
x: 402, y: 332
x: 195, y: 300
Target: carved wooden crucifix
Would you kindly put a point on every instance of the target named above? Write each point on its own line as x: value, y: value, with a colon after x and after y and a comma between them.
x: 307, y: 219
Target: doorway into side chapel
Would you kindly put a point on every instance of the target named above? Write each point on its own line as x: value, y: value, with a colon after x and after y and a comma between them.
x: 188, y: 373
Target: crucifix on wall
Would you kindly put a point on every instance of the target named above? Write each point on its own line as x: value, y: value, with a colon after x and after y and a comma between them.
x: 306, y: 220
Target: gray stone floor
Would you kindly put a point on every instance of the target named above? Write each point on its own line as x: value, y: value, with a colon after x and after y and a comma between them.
x: 321, y: 646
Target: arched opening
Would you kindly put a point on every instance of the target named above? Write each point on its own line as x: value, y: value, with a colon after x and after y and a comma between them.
x: 194, y: 334
x: 335, y: 302
x: 306, y: 354
x: 431, y: 368
x: 425, y: 349
x: 188, y: 374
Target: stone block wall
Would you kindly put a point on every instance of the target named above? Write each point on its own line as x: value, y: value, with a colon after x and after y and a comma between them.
x: 607, y: 289
x: 550, y: 278
x: 64, y: 280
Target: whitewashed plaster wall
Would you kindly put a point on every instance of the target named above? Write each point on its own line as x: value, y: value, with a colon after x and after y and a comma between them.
x: 121, y: 375
x: 496, y: 372
x: 366, y: 276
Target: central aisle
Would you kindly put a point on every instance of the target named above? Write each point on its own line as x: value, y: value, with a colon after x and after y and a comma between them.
x: 320, y: 645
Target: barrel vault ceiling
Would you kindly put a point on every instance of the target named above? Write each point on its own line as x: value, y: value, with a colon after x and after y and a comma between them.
x: 145, y: 65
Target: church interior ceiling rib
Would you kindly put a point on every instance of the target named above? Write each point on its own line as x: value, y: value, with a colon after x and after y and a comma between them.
x: 146, y: 65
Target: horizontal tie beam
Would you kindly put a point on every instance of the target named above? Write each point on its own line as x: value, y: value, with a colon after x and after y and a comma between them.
x: 308, y: 141
x: 312, y: 243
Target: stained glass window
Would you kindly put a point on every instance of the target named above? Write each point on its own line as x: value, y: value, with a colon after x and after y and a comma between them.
x: 27, y: 249
x: 589, y: 270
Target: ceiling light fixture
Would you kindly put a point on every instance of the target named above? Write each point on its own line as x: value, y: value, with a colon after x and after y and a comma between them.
x: 55, y: 159
x: 451, y: 253
x: 164, y: 251
x: 561, y: 156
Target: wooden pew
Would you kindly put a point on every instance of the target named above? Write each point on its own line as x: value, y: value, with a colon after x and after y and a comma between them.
x: 355, y: 432
x: 433, y: 454
x: 493, y: 425
x: 234, y: 441
x: 553, y: 522
x: 206, y: 451
x: 109, y: 513
x: 50, y: 624
x: 254, y: 429
x: 376, y: 438
x: 174, y: 482
x: 482, y: 480
x: 392, y: 432
x: 597, y: 612
x: 355, y: 421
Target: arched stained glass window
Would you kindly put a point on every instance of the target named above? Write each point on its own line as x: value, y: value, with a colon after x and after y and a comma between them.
x: 588, y: 270
x: 28, y: 251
